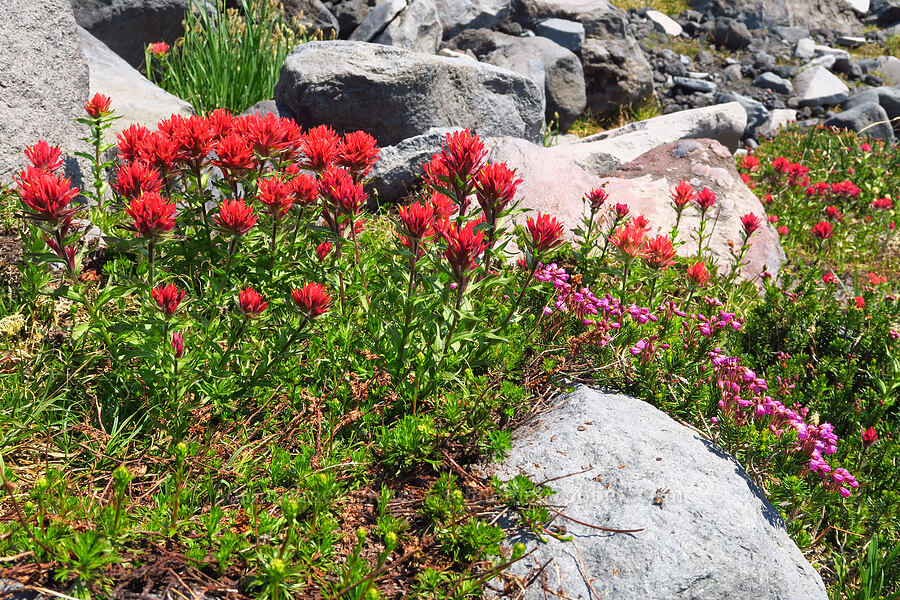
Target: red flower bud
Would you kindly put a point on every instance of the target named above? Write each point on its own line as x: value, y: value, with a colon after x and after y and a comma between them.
x: 178, y: 344
x: 252, y: 304
x: 167, y: 298
x: 98, y: 106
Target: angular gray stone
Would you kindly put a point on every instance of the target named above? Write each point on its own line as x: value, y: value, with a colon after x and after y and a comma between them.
x: 553, y: 68
x: 664, y: 23
x: 350, y: 14
x: 377, y: 20
x: 777, y: 119
x: 416, y: 28
x: 756, y: 111
x: 127, y: 26
x: 732, y: 73
x: 568, y: 34
x: 887, y: 97
x: 805, y: 48
x: 394, y: 94
x: 135, y: 99
x: 313, y: 14
x: 714, y: 536
x: 817, y: 86
x: 731, y: 34
x: 44, y: 81
x: 771, y: 81
x: 695, y: 85
x: 601, y: 153
x: 399, y: 167
x: 859, y: 6
x: 790, y: 34
x: 889, y: 67
x: 832, y: 15
x: 822, y: 50
x: 866, y: 119
x: 266, y: 107
x: 456, y: 15
x: 616, y: 74
x: 599, y: 17
x: 851, y: 41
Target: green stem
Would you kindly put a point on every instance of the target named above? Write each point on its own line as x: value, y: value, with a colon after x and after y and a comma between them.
x: 407, y: 309
x: 521, y: 294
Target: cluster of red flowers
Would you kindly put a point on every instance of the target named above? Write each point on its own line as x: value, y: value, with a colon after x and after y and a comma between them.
x: 796, y: 173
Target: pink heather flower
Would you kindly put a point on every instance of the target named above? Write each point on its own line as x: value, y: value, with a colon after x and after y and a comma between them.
x: 865, y: 147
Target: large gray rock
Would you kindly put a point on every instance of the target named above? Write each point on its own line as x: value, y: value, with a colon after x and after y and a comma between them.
x: 889, y: 67
x: 416, y: 28
x: 127, y: 26
x: 866, y: 119
x: 708, y: 532
x: 349, y: 14
x: 377, y: 20
x: 399, y: 167
x: 553, y: 68
x: 811, y: 14
x: 777, y: 119
x: 568, y: 34
x: 44, y: 80
x: 456, y: 15
x: 134, y: 98
x: 602, y: 153
x: 771, y: 81
x: 756, y: 111
x: 887, y: 97
x: 616, y: 75
x: 731, y: 34
x: 313, y: 14
x: 616, y: 72
x: 817, y: 86
x: 395, y: 94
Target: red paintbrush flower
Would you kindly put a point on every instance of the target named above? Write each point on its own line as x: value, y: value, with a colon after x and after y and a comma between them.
x: 622, y: 211
x: 252, y: 304
x: 783, y: 230
x: 167, y: 298
x: 268, y: 134
x: 629, y: 240
x: 221, y: 121
x: 159, y: 48
x: 313, y: 300
x: 357, y: 152
x: 340, y: 193
x: 883, y: 203
x: 463, y: 246
x: 869, y: 437
x: 136, y: 178
x: 275, y: 194
x: 235, y: 216
x: 44, y: 156
x: 642, y: 222
x: 705, y: 199
x: 195, y: 139
x: 322, y: 250
x: 697, y: 274
x: 130, y: 139
x: 659, y: 253
x: 495, y: 187
x: 596, y: 198
x: 304, y: 190
x: 545, y: 233
x: 234, y: 155
x: 320, y: 146
x: 749, y: 162
x: 98, y: 106
x: 46, y: 194
x: 751, y: 223
x: 153, y: 215
x: 159, y: 150
x: 682, y: 195
x: 464, y: 154
x: 417, y: 225
x: 823, y: 230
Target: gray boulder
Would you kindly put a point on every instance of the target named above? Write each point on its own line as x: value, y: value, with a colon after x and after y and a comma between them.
x: 664, y: 23
x: 810, y: 14
x: 44, y: 81
x: 777, y: 119
x: 313, y: 14
x: 602, y: 153
x: 553, y: 68
x: 756, y: 111
x: 456, y: 15
x: 349, y: 14
x: 266, y: 107
x: 415, y: 28
x: 805, y: 48
x: 866, y: 119
x: 817, y: 86
x: 693, y: 84
x: 791, y: 35
x: 568, y: 34
x: 707, y: 530
x: 395, y: 94
x: 599, y: 17
x: 731, y: 34
x: 399, y: 167
x: 134, y: 98
x: 887, y: 97
x: 127, y: 26
x: 771, y: 81
x: 377, y: 20
x: 616, y: 74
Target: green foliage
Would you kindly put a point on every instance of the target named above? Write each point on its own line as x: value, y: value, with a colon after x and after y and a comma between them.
x: 227, y: 61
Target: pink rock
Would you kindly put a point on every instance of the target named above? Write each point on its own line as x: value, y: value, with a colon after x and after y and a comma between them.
x: 556, y: 185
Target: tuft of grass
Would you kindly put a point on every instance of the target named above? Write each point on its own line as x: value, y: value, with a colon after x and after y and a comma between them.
x: 590, y: 123
x: 229, y: 61
x: 890, y: 47
x: 669, y: 7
